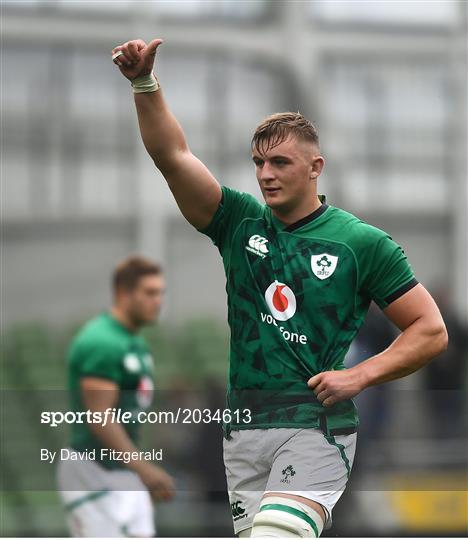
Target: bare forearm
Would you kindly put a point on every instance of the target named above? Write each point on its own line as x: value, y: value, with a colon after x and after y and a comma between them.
x: 162, y: 134
x: 423, y: 337
x: 410, y: 351
x: 195, y: 189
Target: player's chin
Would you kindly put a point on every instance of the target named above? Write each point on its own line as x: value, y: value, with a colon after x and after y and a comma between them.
x: 273, y: 199
x: 149, y: 318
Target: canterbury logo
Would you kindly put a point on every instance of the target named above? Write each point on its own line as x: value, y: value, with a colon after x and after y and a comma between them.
x: 258, y: 245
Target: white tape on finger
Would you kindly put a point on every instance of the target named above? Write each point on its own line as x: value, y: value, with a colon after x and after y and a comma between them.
x: 116, y: 55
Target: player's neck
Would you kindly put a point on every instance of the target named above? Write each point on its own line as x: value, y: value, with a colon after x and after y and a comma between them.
x: 121, y: 316
x: 288, y: 217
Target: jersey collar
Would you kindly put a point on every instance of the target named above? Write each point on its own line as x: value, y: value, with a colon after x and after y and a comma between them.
x: 303, y: 221
x: 119, y: 325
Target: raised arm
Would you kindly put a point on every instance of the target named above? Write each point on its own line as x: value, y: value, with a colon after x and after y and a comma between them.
x: 195, y: 189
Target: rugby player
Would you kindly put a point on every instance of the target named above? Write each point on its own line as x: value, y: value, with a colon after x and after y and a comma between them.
x: 110, y: 366
x: 300, y: 277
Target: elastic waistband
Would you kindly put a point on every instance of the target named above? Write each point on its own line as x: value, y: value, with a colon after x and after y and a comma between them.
x: 335, y: 431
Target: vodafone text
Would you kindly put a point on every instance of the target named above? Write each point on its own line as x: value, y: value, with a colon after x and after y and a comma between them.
x: 294, y: 337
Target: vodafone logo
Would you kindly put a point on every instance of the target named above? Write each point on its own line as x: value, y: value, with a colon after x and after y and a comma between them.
x: 144, y: 392
x: 282, y: 304
x: 281, y: 301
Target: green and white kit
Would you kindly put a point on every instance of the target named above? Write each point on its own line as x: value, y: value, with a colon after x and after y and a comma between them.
x: 297, y: 297
x: 103, y: 497
x: 104, y: 348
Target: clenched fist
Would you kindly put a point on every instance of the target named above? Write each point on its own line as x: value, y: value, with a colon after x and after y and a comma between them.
x: 333, y: 386
x: 135, y: 58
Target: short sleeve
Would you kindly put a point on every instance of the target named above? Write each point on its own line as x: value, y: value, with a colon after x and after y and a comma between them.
x: 388, y: 274
x: 234, y: 207
x: 100, y: 360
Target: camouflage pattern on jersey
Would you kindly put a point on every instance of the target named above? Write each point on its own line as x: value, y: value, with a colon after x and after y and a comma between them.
x: 297, y: 296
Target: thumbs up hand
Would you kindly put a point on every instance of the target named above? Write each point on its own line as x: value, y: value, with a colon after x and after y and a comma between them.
x: 135, y: 58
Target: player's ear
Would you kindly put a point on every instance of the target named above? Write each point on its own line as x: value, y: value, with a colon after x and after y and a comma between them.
x: 317, y: 165
x: 120, y: 295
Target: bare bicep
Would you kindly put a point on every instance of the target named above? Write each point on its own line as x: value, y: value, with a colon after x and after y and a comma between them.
x: 413, y: 305
x: 98, y: 394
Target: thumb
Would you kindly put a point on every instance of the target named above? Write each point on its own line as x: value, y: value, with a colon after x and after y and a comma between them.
x: 152, y: 47
x: 149, y: 54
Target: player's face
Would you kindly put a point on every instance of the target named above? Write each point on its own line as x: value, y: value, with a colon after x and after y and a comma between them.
x: 144, y: 302
x: 287, y: 173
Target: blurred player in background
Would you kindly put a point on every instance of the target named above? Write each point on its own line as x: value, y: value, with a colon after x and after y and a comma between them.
x: 300, y: 277
x: 109, y: 366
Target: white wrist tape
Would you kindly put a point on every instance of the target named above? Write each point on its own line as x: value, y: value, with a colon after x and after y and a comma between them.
x: 145, y: 83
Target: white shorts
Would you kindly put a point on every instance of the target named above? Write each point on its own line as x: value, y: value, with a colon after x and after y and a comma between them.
x: 299, y: 462
x: 104, y: 503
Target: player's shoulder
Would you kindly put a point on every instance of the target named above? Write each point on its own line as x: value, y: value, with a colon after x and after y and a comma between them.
x: 98, y: 332
x: 241, y: 199
x: 235, y: 207
x: 352, y: 230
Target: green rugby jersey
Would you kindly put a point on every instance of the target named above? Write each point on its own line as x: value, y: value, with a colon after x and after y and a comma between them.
x: 297, y: 296
x: 104, y: 348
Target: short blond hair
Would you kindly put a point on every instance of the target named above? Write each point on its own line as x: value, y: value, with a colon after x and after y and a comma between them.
x: 276, y: 128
